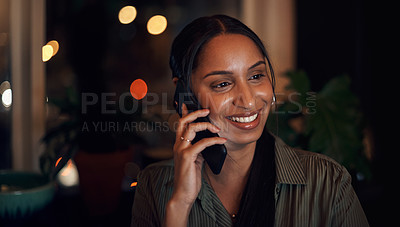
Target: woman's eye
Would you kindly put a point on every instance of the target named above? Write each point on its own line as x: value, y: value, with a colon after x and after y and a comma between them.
x: 221, y: 85
x: 256, y: 77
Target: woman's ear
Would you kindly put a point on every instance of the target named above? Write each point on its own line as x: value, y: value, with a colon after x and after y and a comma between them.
x: 175, y: 80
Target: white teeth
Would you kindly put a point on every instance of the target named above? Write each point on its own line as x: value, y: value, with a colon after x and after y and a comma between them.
x: 244, y: 119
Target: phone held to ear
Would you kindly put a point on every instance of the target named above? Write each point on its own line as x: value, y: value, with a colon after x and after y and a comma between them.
x: 214, y: 155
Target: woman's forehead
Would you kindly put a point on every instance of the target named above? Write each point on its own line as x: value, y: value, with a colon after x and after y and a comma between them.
x: 229, y: 50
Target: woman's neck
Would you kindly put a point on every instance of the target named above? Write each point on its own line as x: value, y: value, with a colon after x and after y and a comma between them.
x: 237, y: 164
x: 230, y: 183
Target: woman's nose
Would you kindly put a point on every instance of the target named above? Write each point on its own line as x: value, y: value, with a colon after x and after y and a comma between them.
x: 244, y: 97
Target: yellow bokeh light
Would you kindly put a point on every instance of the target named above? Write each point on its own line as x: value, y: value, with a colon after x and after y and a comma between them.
x: 157, y: 25
x: 55, y: 45
x: 47, y: 52
x: 127, y: 14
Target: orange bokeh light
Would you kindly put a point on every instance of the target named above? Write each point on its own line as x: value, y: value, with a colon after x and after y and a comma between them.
x: 138, y: 89
x: 58, y: 161
x: 67, y: 171
x: 134, y: 184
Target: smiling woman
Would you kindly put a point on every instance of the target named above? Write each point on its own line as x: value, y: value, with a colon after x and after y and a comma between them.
x: 263, y: 182
x: 237, y: 87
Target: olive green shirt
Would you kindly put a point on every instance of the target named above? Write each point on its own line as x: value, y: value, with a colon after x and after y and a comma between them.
x: 311, y: 190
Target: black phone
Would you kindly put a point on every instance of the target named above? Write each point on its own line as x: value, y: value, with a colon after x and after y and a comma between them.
x: 214, y: 155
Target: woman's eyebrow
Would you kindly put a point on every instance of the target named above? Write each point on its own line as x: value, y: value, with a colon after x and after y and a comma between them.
x: 257, y: 64
x: 218, y: 73
x: 222, y: 72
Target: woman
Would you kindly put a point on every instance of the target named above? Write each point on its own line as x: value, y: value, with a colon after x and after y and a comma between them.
x: 263, y: 182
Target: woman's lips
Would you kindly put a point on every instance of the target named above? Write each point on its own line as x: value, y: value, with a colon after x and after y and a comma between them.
x: 245, y: 121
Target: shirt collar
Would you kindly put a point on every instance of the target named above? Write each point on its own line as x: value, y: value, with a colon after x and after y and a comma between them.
x: 289, y: 169
x: 205, y: 196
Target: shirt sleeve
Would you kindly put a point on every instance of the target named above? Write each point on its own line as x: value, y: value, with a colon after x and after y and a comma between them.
x: 143, y: 210
x: 347, y: 208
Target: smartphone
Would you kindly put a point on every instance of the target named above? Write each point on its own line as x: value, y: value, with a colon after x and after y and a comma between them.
x: 214, y: 155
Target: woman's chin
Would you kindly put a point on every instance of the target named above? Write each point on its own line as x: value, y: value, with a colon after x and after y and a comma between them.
x: 238, y: 139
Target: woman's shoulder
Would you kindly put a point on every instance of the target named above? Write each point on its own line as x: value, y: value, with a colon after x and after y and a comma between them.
x: 316, y: 159
x: 159, y: 172
x: 321, y: 166
x: 307, y: 165
x: 165, y: 164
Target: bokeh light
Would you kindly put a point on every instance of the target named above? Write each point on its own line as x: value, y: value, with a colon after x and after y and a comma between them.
x: 6, y: 97
x: 6, y: 93
x: 68, y: 175
x: 54, y: 44
x: 138, y: 89
x: 47, y: 52
x: 157, y: 24
x: 127, y: 14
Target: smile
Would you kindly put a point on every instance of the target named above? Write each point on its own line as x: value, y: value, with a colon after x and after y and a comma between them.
x: 244, y: 119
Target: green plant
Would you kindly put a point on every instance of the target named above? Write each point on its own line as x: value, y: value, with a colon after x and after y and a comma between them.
x: 328, y: 122
x: 62, y: 140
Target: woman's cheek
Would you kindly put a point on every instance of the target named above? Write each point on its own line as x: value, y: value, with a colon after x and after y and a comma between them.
x: 218, y: 111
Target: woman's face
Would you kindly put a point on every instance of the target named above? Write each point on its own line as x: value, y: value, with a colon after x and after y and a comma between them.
x: 231, y: 79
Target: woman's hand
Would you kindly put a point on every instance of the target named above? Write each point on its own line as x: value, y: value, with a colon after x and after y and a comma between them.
x: 188, y: 163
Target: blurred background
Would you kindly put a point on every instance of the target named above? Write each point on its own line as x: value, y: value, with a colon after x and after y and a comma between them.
x: 87, y: 94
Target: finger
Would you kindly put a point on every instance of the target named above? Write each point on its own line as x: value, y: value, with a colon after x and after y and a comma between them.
x: 185, y: 111
x: 201, y: 126
x: 194, y: 115
x: 188, y: 119
x: 194, y: 151
x: 190, y: 133
x: 193, y: 128
x: 206, y: 142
